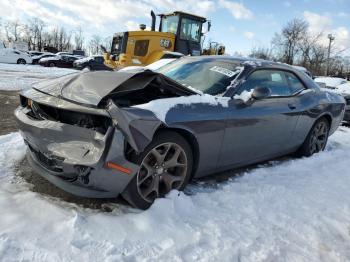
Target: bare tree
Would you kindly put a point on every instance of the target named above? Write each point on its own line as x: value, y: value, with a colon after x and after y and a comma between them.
x: 94, y: 45
x: 63, y: 39
x: 12, y: 30
x: 288, y: 40
x: 107, y: 42
x: 261, y: 53
x: 34, y: 31
x: 79, y: 39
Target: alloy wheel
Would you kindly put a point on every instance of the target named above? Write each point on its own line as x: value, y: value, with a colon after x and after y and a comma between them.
x: 318, y: 137
x: 164, y: 168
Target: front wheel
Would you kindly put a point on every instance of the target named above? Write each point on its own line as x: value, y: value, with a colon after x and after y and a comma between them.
x: 21, y: 61
x: 165, y: 164
x: 317, y: 138
x: 51, y: 64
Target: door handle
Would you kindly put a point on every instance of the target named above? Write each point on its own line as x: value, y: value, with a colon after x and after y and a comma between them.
x: 292, y: 106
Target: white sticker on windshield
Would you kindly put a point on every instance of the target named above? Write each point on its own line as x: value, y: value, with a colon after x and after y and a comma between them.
x: 223, y: 71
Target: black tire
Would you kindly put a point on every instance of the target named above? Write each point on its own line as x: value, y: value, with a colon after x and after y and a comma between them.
x: 317, y: 138
x: 52, y: 64
x: 169, y: 140
x: 21, y: 61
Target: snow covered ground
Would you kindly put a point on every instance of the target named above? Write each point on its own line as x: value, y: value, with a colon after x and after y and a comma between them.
x: 285, y: 210
x: 291, y: 210
x: 20, y: 77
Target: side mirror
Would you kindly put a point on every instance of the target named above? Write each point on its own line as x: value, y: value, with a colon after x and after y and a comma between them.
x: 261, y: 92
x: 209, y: 25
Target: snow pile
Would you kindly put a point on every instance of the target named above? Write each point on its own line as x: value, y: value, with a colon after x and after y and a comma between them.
x: 291, y: 210
x: 245, y: 95
x: 160, y: 107
x: 12, y: 149
x: 344, y: 88
x: 21, y: 77
x: 330, y: 81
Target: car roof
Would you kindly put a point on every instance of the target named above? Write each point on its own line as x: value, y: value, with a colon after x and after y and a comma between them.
x: 254, y: 62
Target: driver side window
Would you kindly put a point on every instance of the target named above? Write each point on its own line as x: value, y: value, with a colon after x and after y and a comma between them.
x: 275, y: 80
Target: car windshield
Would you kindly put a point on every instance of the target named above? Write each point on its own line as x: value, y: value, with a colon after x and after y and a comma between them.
x: 210, y: 76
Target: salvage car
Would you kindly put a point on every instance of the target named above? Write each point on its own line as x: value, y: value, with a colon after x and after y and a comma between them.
x: 65, y: 61
x: 330, y: 82
x: 92, y: 63
x: 13, y: 56
x: 36, y: 59
x: 143, y: 133
x: 340, y: 86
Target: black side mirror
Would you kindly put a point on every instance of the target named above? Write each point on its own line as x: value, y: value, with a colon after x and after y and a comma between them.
x: 261, y: 92
x: 209, y: 25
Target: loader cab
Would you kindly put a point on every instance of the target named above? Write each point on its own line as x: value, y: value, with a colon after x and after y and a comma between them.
x: 187, y: 29
x: 119, y: 43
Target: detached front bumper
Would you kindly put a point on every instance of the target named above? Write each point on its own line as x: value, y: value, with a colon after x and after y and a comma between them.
x: 74, y: 158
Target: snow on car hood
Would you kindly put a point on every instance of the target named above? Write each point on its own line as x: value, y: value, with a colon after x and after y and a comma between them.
x: 49, y: 58
x: 83, y: 60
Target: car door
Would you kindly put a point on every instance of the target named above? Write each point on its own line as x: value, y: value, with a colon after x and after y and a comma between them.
x: 260, y: 129
x: 14, y: 56
x: 70, y: 61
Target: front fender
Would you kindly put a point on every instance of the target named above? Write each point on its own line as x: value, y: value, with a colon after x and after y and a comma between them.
x: 137, y: 125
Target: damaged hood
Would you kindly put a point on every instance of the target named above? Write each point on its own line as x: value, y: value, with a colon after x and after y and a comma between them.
x: 90, y: 88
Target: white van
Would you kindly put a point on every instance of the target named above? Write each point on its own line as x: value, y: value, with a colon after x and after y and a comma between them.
x: 13, y: 56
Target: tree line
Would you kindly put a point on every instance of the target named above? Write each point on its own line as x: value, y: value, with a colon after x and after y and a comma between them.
x: 37, y: 35
x: 295, y: 44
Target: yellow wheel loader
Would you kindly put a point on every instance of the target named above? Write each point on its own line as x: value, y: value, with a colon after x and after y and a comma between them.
x: 179, y: 34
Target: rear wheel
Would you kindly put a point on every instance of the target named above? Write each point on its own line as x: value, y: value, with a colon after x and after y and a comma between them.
x: 317, y: 138
x: 21, y: 61
x: 51, y: 64
x: 165, y: 164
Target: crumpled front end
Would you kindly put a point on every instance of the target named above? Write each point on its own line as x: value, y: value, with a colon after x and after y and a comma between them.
x: 81, y: 129
x: 77, y: 157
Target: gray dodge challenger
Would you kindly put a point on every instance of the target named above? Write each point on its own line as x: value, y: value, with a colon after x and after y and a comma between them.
x: 142, y: 133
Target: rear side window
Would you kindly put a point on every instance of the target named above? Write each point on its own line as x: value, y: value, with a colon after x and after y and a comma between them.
x: 141, y: 47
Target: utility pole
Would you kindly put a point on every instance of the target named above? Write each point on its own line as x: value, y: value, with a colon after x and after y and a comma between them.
x: 331, y: 38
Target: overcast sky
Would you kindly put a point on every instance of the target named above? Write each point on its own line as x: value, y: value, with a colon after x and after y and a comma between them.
x: 239, y: 25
